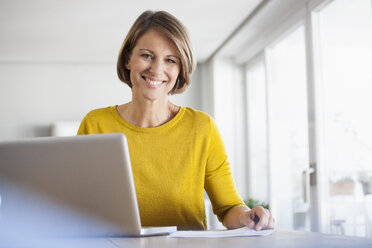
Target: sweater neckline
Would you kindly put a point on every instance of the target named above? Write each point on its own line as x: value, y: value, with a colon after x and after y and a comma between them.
x: 162, y: 127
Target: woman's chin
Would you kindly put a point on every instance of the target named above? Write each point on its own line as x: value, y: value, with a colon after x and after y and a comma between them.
x: 154, y: 96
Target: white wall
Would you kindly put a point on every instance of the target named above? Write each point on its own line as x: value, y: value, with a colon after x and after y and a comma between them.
x: 35, y: 95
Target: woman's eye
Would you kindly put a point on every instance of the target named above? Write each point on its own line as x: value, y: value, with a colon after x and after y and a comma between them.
x: 171, y: 61
x: 146, y: 56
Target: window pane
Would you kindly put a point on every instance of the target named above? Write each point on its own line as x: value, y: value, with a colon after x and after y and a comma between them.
x: 257, y: 132
x: 288, y: 132
x: 346, y: 55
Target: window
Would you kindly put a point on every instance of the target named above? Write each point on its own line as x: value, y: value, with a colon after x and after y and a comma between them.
x: 257, y: 132
x: 288, y: 130
x: 308, y: 100
x: 346, y: 59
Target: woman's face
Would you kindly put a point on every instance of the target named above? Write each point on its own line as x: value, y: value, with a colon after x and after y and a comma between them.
x: 154, y: 66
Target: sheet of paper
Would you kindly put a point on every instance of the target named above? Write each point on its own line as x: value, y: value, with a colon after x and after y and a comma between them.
x: 239, y: 232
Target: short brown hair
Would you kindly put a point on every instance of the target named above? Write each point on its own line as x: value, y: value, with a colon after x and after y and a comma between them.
x: 170, y: 27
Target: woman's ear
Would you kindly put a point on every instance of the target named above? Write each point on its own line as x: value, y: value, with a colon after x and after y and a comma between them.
x: 128, y: 65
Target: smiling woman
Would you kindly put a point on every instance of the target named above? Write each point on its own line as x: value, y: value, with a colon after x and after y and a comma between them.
x: 169, y: 27
x: 176, y: 152
x: 154, y: 60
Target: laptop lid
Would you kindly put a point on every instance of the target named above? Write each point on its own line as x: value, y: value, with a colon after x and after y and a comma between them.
x: 68, y: 186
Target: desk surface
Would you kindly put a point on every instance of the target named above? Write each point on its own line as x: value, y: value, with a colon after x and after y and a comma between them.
x: 277, y: 239
x: 283, y: 239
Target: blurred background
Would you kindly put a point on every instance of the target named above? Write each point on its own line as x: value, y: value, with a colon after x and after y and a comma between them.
x: 287, y: 81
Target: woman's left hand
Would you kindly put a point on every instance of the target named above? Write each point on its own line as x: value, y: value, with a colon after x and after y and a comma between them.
x: 257, y: 218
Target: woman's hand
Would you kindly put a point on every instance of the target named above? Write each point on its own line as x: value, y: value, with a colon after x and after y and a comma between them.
x: 257, y: 218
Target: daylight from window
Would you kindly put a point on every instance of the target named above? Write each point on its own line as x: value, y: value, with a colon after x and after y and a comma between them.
x: 346, y: 85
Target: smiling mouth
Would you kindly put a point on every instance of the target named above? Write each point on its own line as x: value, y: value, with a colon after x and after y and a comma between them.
x: 153, y: 82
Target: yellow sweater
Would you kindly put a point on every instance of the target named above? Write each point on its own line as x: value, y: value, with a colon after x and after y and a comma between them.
x: 172, y: 164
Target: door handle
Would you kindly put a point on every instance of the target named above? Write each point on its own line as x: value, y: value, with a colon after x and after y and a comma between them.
x: 306, y: 185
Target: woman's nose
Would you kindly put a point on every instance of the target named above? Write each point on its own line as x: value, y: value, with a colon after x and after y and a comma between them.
x: 156, y: 67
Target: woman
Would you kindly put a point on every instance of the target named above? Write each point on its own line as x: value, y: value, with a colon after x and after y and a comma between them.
x: 176, y: 152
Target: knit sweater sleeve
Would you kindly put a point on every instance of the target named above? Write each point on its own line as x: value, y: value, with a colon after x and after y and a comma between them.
x: 219, y: 183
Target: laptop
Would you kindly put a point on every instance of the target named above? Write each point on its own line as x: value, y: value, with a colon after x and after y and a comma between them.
x: 79, y: 186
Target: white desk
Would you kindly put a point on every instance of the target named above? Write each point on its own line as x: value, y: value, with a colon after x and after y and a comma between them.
x: 283, y: 239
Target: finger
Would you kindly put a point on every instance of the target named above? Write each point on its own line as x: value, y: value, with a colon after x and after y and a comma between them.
x: 264, y: 218
x: 247, y: 220
x: 250, y: 223
x: 271, y: 222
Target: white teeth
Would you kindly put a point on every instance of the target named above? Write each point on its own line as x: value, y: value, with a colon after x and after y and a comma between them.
x: 153, y: 82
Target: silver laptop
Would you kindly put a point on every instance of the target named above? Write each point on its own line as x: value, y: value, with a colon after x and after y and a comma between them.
x: 78, y: 186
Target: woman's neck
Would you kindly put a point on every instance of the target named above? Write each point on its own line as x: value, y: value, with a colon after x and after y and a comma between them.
x: 148, y: 114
